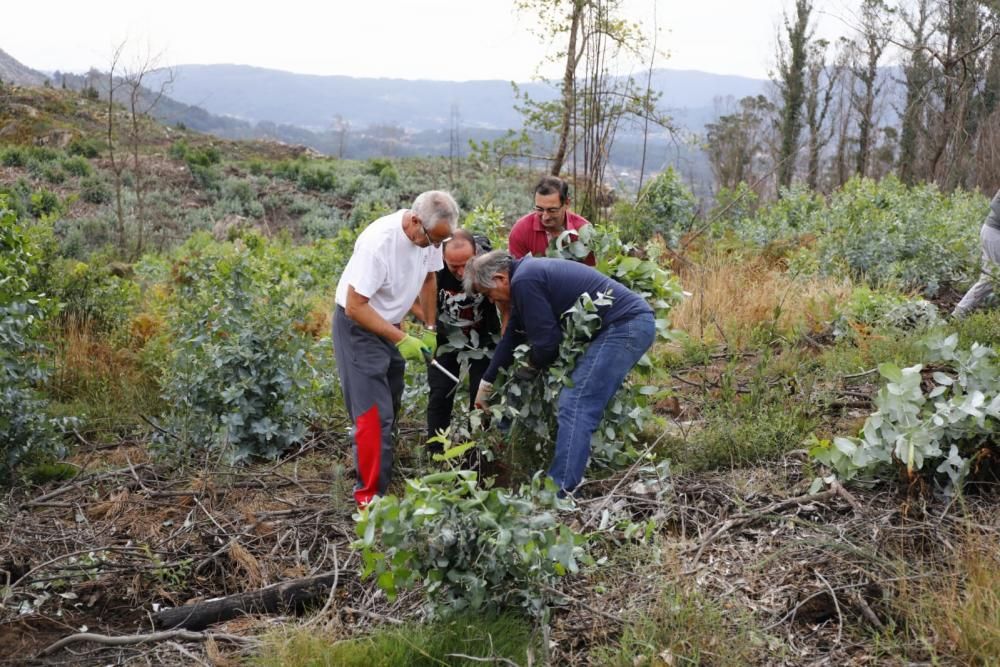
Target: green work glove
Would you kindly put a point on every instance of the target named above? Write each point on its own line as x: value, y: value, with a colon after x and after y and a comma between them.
x: 411, y: 348
x: 430, y: 340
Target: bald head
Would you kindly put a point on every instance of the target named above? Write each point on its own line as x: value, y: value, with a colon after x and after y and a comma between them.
x: 459, y: 249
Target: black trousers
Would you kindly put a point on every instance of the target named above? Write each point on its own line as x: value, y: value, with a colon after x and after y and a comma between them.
x: 443, y: 390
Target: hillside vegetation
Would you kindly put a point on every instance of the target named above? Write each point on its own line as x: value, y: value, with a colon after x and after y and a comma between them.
x: 804, y: 472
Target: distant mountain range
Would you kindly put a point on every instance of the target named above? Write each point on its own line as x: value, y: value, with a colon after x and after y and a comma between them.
x: 361, y: 118
x: 12, y: 71
x: 314, y: 102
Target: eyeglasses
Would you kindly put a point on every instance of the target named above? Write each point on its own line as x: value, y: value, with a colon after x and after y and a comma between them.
x: 550, y: 211
x: 430, y: 241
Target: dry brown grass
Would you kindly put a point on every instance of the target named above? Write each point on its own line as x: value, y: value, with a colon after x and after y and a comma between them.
x: 105, y: 381
x: 958, y: 611
x: 734, y: 296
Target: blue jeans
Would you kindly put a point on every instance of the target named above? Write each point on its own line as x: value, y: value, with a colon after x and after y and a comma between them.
x: 599, y: 373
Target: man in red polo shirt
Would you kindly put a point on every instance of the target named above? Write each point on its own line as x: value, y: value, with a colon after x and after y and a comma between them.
x: 533, y: 233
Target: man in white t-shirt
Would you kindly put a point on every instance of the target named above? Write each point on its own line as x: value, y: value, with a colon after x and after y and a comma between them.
x: 394, y: 263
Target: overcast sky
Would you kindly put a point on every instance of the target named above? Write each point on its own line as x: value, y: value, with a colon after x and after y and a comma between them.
x: 411, y: 39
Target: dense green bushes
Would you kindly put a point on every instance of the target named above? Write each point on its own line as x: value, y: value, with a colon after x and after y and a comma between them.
x: 882, y: 233
x: 666, y: 206
x: 239, y: 377
x: 26, y: 432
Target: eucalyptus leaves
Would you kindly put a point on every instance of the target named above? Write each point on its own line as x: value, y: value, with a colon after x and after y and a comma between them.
x: 470, y: 547
x: 943, y: 416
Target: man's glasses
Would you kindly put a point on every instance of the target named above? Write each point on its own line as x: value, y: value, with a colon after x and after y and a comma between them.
x: 550, y: 211
x: 430, y: 241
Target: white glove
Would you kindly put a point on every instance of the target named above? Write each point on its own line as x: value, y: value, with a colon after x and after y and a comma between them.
x: 483, y: 395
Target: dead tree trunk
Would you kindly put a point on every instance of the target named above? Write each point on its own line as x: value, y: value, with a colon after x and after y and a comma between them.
x: 288, y: 596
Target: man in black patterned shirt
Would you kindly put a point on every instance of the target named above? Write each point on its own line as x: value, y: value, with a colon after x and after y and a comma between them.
x: 474, y: 316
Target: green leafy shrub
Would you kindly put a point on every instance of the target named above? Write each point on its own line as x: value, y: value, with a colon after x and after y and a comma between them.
x: 488, y: 220
x: 77, y: 166
x: 320, y: 224
x: 881, y: 233
x: 471, y: 548
x: 875, y: 308
x: 666, y: 206
x: 733, y: 205
x: 86, y: 148
x: 368, y: 209
x: 53, y: 173
x: 26, y: 432
x: 91, y: 294
x: 797, y: 212
x: 256, y: 167
x: 44, y: 203
x: 205, y: 156
x: 95, y: 190
x: 948, y: 423
x: 44, y: 154
x: 981, y: 326
x: 206, y: 177
x: 289, y: 169
x: 384, y: 170
x: 317, y: 177
x: 238, y: 196
x: 238, y: 375
x: 14, y: 156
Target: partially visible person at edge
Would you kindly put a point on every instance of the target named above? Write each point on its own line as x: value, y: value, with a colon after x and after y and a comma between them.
x: 989, y: 236
x: 458, y: 311
x: 538, y: 292
x: 395, y: 261
x: 551, y: 216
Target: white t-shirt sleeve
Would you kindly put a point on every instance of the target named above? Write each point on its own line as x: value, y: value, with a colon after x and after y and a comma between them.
x: 372, y: 275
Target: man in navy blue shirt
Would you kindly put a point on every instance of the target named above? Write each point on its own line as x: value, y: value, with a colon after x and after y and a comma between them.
x: 538, y: 291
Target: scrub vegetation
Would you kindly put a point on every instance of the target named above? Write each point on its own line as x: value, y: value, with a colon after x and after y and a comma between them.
x: 802, y: 470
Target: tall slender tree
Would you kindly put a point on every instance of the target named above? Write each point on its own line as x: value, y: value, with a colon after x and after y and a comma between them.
x: 793, y: 54
x: 866, y: 87
x: 917, y: 73
x: 594, y: 42
x: 821, y: 88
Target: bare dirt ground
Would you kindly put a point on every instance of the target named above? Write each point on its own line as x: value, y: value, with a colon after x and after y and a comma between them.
x: 103, y: 552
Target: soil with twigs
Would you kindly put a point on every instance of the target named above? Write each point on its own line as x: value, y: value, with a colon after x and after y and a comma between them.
x: 104, y: 552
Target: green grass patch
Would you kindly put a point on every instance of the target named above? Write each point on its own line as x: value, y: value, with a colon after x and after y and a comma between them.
x: 491, y: 639
x: 741, y: 433
x: 870, y: 349
x: 981, y: 326
x: 683, y: 627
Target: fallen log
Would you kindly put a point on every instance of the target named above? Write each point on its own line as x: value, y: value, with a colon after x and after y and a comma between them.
x: 282, y: 598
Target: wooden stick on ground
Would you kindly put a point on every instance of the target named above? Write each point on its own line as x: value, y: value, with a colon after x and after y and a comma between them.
x: 128, y: 640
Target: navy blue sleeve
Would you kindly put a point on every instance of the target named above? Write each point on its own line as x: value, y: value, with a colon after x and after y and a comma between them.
x: 502, y: 356
x: 542, y: 328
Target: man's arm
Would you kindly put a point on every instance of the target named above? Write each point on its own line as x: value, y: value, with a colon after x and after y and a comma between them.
x: 359, y: 310
x: 428, y: 299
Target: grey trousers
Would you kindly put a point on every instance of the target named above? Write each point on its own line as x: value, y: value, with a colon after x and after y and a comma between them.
x: 990, y: 237
x: 371, y: 377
